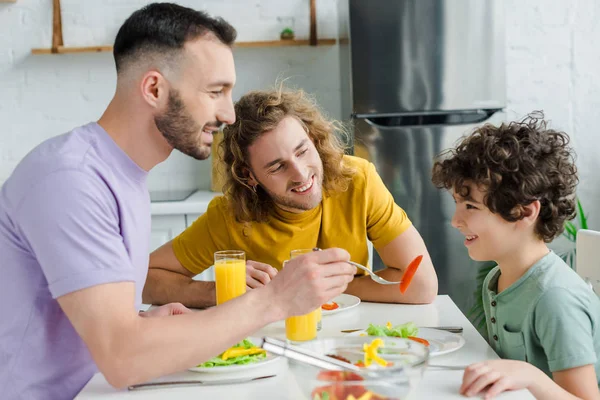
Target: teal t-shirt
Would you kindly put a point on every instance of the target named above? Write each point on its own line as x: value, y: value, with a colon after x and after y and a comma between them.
x: 549, y: 317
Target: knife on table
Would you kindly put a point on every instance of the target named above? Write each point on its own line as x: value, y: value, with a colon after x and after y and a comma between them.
x: 453, y: 329
x: 156, y: 385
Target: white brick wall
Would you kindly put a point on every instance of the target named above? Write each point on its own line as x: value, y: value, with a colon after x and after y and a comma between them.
x: 42, y: 96
x: 552, y: 64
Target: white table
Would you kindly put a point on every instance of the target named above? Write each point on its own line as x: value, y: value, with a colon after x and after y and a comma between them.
x: 436, y: 384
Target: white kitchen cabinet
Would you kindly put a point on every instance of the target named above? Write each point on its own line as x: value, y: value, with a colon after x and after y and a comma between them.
x: 209, y: 274
x: 190, y: 218
x: 165, y: 228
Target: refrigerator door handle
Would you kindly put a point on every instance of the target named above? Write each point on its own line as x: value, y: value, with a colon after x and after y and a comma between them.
x: 429, y: 119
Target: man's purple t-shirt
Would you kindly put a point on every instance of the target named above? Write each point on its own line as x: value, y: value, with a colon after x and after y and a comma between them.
x: 75, y: 213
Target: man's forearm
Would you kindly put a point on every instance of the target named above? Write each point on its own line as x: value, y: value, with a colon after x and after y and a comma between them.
x: 163, y: 287
x: 422, y: 290
x: 159, y: 346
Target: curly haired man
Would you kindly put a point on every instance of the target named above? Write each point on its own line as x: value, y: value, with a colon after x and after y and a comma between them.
x: 514, y: 188
x: 290, y: 186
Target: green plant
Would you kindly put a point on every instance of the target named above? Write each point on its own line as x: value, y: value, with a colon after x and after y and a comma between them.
x: 476, y: 313
x: 287, y: 33
x: 570, y: 233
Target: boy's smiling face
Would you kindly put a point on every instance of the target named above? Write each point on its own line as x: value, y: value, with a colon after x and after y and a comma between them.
x: 488, y: 236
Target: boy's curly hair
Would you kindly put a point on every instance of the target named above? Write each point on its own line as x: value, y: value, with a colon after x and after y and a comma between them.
x: 261, y: 111
x: 515, y: 164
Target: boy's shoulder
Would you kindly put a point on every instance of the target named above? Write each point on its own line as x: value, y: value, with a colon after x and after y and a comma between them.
x: 549, y: 276
x: 555, y: 274
x: 558, y: 286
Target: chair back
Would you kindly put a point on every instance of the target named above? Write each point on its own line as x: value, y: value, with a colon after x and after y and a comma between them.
x: 587, y: 263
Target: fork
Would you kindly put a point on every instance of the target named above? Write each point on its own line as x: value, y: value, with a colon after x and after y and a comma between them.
x: 374, y: 276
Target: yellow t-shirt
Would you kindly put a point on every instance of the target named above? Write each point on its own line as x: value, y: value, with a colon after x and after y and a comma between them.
x: 342, y: 219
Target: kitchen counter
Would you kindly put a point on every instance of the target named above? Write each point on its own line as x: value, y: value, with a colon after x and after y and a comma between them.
x: 197, y: 203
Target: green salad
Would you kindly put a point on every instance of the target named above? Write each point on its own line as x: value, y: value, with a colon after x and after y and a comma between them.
x: 245, y: 352
x: 402, y: 331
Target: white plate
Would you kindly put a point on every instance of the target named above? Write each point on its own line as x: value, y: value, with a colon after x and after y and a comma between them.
x: 238, y: 368
x: 440, y: 342
x: 345, y: 302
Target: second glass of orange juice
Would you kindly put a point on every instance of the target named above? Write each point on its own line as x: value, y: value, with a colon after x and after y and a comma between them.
x: 230, y: 274
x: 302, y: 327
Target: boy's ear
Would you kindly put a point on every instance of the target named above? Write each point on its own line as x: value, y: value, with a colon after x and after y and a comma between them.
x: 531, y: 212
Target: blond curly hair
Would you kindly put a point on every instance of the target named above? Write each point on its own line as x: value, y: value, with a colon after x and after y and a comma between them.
x: 261, y: 111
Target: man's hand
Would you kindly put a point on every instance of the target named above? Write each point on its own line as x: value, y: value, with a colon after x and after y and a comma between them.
x: 498, y: 376
x: 166, y: 310
x: 310, y: 280
x: 258, y: 274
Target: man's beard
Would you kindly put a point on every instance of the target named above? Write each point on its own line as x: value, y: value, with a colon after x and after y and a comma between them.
x: 180, y: 130
x: 284, y: 201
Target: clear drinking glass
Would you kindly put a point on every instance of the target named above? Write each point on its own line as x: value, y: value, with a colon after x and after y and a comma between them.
x: 230, y: 274
x: 302, y: 327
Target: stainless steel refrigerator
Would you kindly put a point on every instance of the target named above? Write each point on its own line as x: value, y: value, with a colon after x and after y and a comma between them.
x: 416, y: 75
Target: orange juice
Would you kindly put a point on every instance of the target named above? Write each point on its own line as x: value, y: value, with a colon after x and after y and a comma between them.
x: 230, y: 275
x: 302, y: 327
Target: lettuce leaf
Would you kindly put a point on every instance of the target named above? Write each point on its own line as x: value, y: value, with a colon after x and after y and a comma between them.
x: 219, y: 362
x: 240, y: 360
x: 377, y: 330
x: 402, y: 331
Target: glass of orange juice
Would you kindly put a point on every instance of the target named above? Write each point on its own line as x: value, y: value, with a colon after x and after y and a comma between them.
x: 230, y: 274
x: 302, y: 327
x: 299, y: 252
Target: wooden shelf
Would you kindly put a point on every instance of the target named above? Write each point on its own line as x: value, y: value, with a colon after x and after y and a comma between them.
x: 282, y: 43
x: 268, y: 43
x: 58, y: 46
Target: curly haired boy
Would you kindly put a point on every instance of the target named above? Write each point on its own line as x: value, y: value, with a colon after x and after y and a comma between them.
x: 514, y: 188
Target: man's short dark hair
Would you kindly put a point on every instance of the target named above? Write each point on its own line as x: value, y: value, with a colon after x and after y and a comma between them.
x: 164, y: 28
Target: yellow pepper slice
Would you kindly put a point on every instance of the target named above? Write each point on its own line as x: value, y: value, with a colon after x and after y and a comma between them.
x: 371, y: 353
x: 238, y: 351
x: 365, y: 396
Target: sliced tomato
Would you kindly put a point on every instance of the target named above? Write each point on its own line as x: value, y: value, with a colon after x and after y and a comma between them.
x: 355, y: 390
x: 418, y: 339
x: 410, y: 273
x: 330, y: 306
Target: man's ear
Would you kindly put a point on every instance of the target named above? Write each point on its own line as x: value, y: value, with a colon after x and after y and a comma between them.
x: 251, y: 179
x: 155, y: 89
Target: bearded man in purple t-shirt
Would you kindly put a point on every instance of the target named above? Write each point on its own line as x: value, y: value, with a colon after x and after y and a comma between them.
x: 75, y: 226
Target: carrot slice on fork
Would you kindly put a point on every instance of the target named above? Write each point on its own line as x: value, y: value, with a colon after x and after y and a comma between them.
x: 410, y: 273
